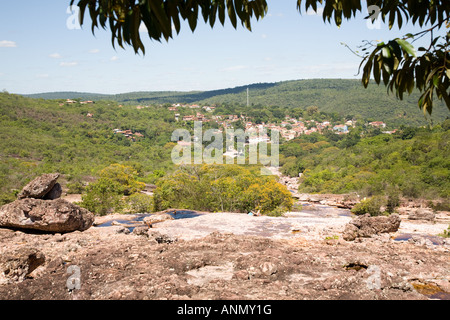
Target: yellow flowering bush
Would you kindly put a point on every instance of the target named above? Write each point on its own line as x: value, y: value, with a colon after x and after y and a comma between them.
x: 231, y: 188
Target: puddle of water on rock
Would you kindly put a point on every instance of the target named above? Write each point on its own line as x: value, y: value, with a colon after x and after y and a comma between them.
x: 132, y: 223
x: 266, y: 229
x: 406, y: 236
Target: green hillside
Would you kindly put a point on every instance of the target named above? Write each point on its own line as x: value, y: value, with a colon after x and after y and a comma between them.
x: 79, y: 140
x: 345, y: 97
x: 70, y: 95
x: 413, y: 162
x: 40, y: 136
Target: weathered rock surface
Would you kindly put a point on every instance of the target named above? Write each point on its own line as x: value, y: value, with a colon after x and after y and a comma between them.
x: 346, y: 201
x: 158, y: 217
x: 231, y: 256
x: 39, y: 187
x: 225, y: 266
x: 40, y: 208
x: 366, y: 226
x: 160, y: 237
x: 421, y: 214
x: 54, y: 193
x: 16, y: 265
x: 45, y: 215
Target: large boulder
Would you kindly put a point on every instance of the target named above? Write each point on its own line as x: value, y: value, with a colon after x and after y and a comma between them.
x: 54, y: 193
x: 39, y: 187
x: 54, y: 216
x: 365, y: 226
x: 421, y: 214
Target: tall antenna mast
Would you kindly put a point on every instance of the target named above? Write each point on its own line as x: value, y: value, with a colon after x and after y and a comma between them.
x: 247, y: 98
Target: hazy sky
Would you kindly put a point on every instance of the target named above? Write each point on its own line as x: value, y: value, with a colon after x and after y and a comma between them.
x: 41, y: 51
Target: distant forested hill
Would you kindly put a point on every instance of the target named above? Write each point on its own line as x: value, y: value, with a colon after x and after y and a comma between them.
x: 69, y: 95
x: 345, y: 97
x: 78, y: 140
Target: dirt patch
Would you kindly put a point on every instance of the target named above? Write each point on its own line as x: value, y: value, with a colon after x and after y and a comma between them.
x: 72, y: 197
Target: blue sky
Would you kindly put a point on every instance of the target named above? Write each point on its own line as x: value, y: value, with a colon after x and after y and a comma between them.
x: 40, y: 51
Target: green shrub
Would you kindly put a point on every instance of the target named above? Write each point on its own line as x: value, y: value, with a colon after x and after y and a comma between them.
x: 125, y: 176
x: 75, y: 187
x: 371, y: 206
x: 106, y: 195
x: 215, y: 188
x: 270, y: 197
x: 6, y: 198
x: 393, y: 201
x: 442, y: 205
x: 140, y: 203
x: 277, y: 212
x: 446, y: 233
x: 103, y: 197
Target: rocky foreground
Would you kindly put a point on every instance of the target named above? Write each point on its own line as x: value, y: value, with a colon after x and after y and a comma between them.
x: 113, y: 263
x: 51, y: 250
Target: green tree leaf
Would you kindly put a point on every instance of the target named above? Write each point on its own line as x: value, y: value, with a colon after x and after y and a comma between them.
x: 407, y: 47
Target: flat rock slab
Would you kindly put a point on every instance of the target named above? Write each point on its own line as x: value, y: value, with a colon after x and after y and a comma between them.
x: 204, y: 275
x: 243, y: 224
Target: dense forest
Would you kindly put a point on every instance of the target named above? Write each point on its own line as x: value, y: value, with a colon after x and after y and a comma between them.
x: 83, y: 139
x: 413, y: 162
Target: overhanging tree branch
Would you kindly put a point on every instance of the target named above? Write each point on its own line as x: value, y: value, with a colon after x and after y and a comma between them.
x: 395, y: 62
